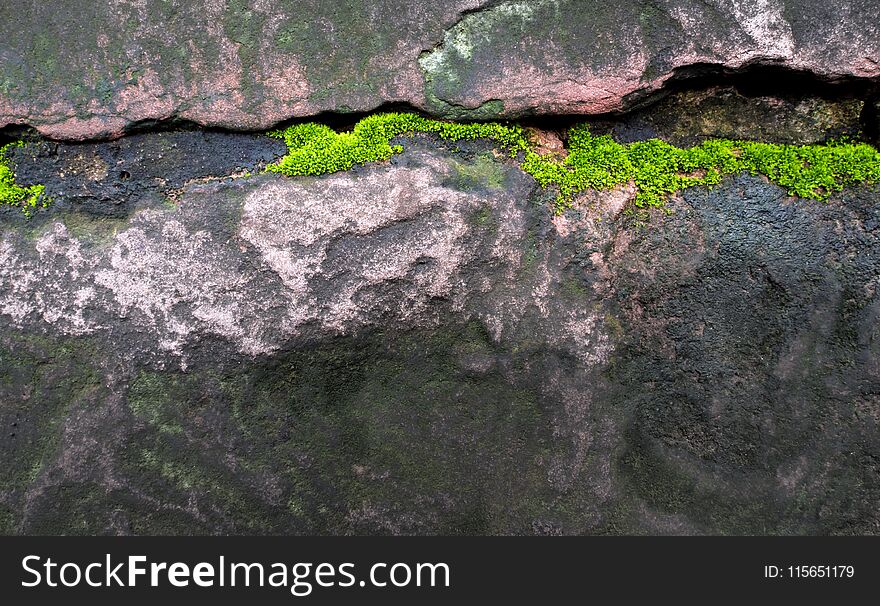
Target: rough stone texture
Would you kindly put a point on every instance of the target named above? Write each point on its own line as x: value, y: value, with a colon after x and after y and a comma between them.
x: 422, y: 347
x: 690, y: 117
x: 111, y: 179
x: 248, y: 64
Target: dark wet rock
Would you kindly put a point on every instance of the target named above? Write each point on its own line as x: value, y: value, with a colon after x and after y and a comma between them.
x: 249, y: 64
x: 690, y: 117
x: 113, y: 178
x: 421, y: 346
x: 752, y: 371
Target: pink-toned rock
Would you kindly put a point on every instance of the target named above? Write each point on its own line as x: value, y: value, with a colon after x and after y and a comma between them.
x: 248, y: 64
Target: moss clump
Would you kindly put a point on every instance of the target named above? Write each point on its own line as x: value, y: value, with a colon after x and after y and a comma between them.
x: 658, y: 169
x: 315, y: 149
x: 27, y: 198
x: 594, y: 162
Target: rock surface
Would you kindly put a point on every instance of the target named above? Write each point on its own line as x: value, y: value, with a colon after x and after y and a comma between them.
x: 690, y: 117
x: 190, y: 345
x: 423, y: 347
x: 249, y: 64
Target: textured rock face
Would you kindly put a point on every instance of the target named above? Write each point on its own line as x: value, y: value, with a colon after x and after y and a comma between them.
x: 248, y: 64
x: 690, y: 117
x: 191, y: 345
x: 423, y: 347
x: 283, y: 258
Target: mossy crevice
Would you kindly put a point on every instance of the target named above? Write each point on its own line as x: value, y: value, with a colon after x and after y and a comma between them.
x: 656, y: 168
x: 11, y: 194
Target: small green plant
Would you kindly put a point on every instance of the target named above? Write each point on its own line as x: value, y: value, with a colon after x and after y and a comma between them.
x: 11, y: 194
x: 315, y: 149
x: 656, y: 168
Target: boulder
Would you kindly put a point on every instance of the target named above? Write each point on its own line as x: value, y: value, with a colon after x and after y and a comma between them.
x: 250, y: 64
x: 423, y: 346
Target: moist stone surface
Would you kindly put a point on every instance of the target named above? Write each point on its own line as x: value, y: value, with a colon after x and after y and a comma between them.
x: 422, y: 346
x: 190, y: 344
x: 249, y: 64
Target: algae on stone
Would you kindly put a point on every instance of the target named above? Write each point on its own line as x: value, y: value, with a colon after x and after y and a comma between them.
x: 657, y: 169
x: 13, y: 194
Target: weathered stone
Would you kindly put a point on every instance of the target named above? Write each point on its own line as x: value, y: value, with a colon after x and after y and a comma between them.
x: 691, y: 117
x: 423, y: 347
x: 112, y: 178
x: 249, y: 64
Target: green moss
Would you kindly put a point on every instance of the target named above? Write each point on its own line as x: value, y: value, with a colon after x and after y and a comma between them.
x: 11, y: 194
x: 315, y: 149
x: 657, y: 169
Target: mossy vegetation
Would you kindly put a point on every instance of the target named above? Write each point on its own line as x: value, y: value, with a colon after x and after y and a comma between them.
x: 11, y: 194
x: 656, y: 168
x: 316, y: 149
x: 659, y: 169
